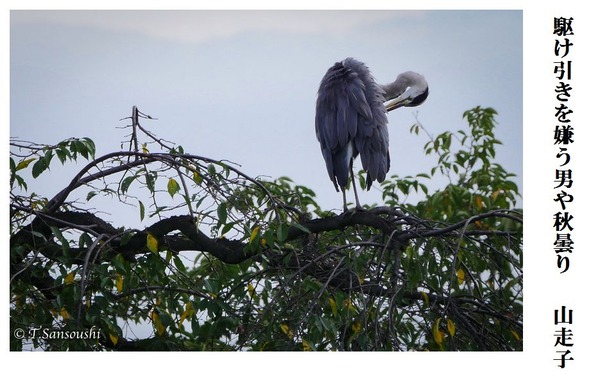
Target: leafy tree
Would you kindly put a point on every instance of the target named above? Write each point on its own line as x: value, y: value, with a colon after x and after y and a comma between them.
x: 224, y: 261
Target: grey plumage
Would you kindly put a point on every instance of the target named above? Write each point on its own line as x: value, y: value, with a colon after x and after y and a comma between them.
x: 351, y: 119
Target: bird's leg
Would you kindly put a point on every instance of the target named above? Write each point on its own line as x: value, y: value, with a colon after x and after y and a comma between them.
x: 344, y: 197
x: 358, y: 206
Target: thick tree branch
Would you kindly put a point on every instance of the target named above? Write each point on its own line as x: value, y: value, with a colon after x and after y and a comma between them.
x: 227, y: 250
x: 339, y: 222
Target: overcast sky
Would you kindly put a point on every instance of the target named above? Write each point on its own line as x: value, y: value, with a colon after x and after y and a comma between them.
x: 241, y: 85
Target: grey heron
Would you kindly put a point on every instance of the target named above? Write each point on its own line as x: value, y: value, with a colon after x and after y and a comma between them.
x: 351, y: 119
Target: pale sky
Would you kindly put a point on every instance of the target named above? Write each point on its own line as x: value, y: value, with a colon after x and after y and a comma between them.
x: 241, y: 85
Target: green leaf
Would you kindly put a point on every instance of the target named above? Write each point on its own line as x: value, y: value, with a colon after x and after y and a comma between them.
x: 39, y: 167
x: 24, y: 164
x: 150, y: 180
x: 282, y: 232
x: 254, y: 234
x: 81, y: 148
x: 85, y: 240
x: 227, y: 227
x: 158, y: 210
x: 152, y: 243
x: 196, y: 177
x: 451, y: 327
x: 125, y: 238
x: 48, y: 157
x: 62, y: 153
x: 438, y: 336
x: 333, y: 306
x: 119, y: 263
x: 178, y: 263
x: 66, y: 248
x: 301, y: 227
x: 21, y: 182
x: 222, y: 213
x: 91, y: 147
x: 211, y: 169
x: 126, y: 183
x: 172, y: 187
x: 142, y: 210
x: 425, y: 298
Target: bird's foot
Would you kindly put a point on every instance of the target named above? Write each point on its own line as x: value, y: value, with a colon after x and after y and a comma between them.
x: 354, y: 210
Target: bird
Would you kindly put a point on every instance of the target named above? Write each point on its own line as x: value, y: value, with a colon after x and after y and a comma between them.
x: 351, y: 120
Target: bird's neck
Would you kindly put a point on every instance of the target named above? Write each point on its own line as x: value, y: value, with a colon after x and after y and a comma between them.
x: 391, y: 91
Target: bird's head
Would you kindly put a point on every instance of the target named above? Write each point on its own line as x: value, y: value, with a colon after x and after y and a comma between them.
x: 409, y: 90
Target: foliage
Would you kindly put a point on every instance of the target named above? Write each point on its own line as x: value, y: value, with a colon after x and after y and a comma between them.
x: 230, y: 262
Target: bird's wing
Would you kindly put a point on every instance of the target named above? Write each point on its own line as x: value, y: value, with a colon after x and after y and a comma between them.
x: 350, y: 120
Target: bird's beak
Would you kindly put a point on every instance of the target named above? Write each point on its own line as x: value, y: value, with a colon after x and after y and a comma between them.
x: 396, y: 103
